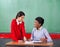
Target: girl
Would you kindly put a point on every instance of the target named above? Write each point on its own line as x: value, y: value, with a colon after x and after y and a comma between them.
x: 17, y: 27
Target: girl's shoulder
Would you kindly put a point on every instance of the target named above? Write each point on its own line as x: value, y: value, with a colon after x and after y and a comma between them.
x: 13, y: 21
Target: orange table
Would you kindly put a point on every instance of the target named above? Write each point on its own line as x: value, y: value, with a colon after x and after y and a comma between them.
x: 13, y: 43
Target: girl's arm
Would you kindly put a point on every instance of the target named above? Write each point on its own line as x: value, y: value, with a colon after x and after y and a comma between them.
x: 13, y: 29
x: 24, y: 32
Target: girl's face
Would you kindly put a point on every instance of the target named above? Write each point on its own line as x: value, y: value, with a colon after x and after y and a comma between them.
x: 20, y: 19
x: 36, y: 24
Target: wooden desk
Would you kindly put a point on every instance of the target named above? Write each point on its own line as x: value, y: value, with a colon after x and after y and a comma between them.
x: 12, y: 43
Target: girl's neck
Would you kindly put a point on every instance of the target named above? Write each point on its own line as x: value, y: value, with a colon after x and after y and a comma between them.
x: 18, y: 20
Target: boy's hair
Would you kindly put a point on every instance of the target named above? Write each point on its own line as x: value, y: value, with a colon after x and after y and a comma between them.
x: 40, y: 20
x: 19, y: 14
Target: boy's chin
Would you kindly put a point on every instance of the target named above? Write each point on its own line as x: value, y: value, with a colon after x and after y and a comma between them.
x: 35, y: 26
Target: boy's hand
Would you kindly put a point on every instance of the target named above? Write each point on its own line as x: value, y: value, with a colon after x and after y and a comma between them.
x: 43, y: 39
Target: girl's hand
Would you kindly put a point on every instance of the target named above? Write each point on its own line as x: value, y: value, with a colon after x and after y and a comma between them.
x: 25, y: 39
x: 29, y: 39
x: 20, y: 41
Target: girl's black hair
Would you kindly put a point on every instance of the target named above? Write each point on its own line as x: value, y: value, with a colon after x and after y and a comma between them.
x: 40, y: 20
x: 19, y: 14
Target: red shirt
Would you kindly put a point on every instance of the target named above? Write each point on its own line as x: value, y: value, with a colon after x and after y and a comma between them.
x: 17, y: 31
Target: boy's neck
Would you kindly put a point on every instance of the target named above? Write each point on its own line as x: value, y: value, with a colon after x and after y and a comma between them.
x: 38, y: 27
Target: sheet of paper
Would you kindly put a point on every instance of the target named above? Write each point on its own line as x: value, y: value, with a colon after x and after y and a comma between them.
x: 28, y: 42
x: 36, y: 41
x: 31, y: 42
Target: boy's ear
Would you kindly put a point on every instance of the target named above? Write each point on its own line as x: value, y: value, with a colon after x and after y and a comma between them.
x: 40, y: 24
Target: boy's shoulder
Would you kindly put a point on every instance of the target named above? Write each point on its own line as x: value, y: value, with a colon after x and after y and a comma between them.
x: 44, y: 28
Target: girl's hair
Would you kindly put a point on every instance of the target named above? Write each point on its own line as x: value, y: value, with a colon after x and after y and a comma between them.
x: 19, y: 14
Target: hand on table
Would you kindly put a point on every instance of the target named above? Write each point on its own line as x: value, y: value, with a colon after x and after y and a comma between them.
x: 20, y: 41
x: 43, y: 39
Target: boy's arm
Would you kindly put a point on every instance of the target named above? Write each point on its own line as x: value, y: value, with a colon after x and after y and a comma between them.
x: 47, y: 36
x: 32, y: 35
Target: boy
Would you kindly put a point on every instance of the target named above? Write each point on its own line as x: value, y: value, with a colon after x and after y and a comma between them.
x: 39, y: 33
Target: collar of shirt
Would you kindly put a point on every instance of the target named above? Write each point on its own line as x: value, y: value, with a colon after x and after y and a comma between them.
x: 40, y: 28
x: 18, y: 22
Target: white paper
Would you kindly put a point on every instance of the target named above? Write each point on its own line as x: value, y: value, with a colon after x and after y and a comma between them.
x: 28, y: 42
x: 31, y: 42
x: 36, y: 41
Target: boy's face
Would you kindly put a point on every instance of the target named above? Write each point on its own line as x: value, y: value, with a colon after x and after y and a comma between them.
x: 36, y: 24
x: 20, y: 19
